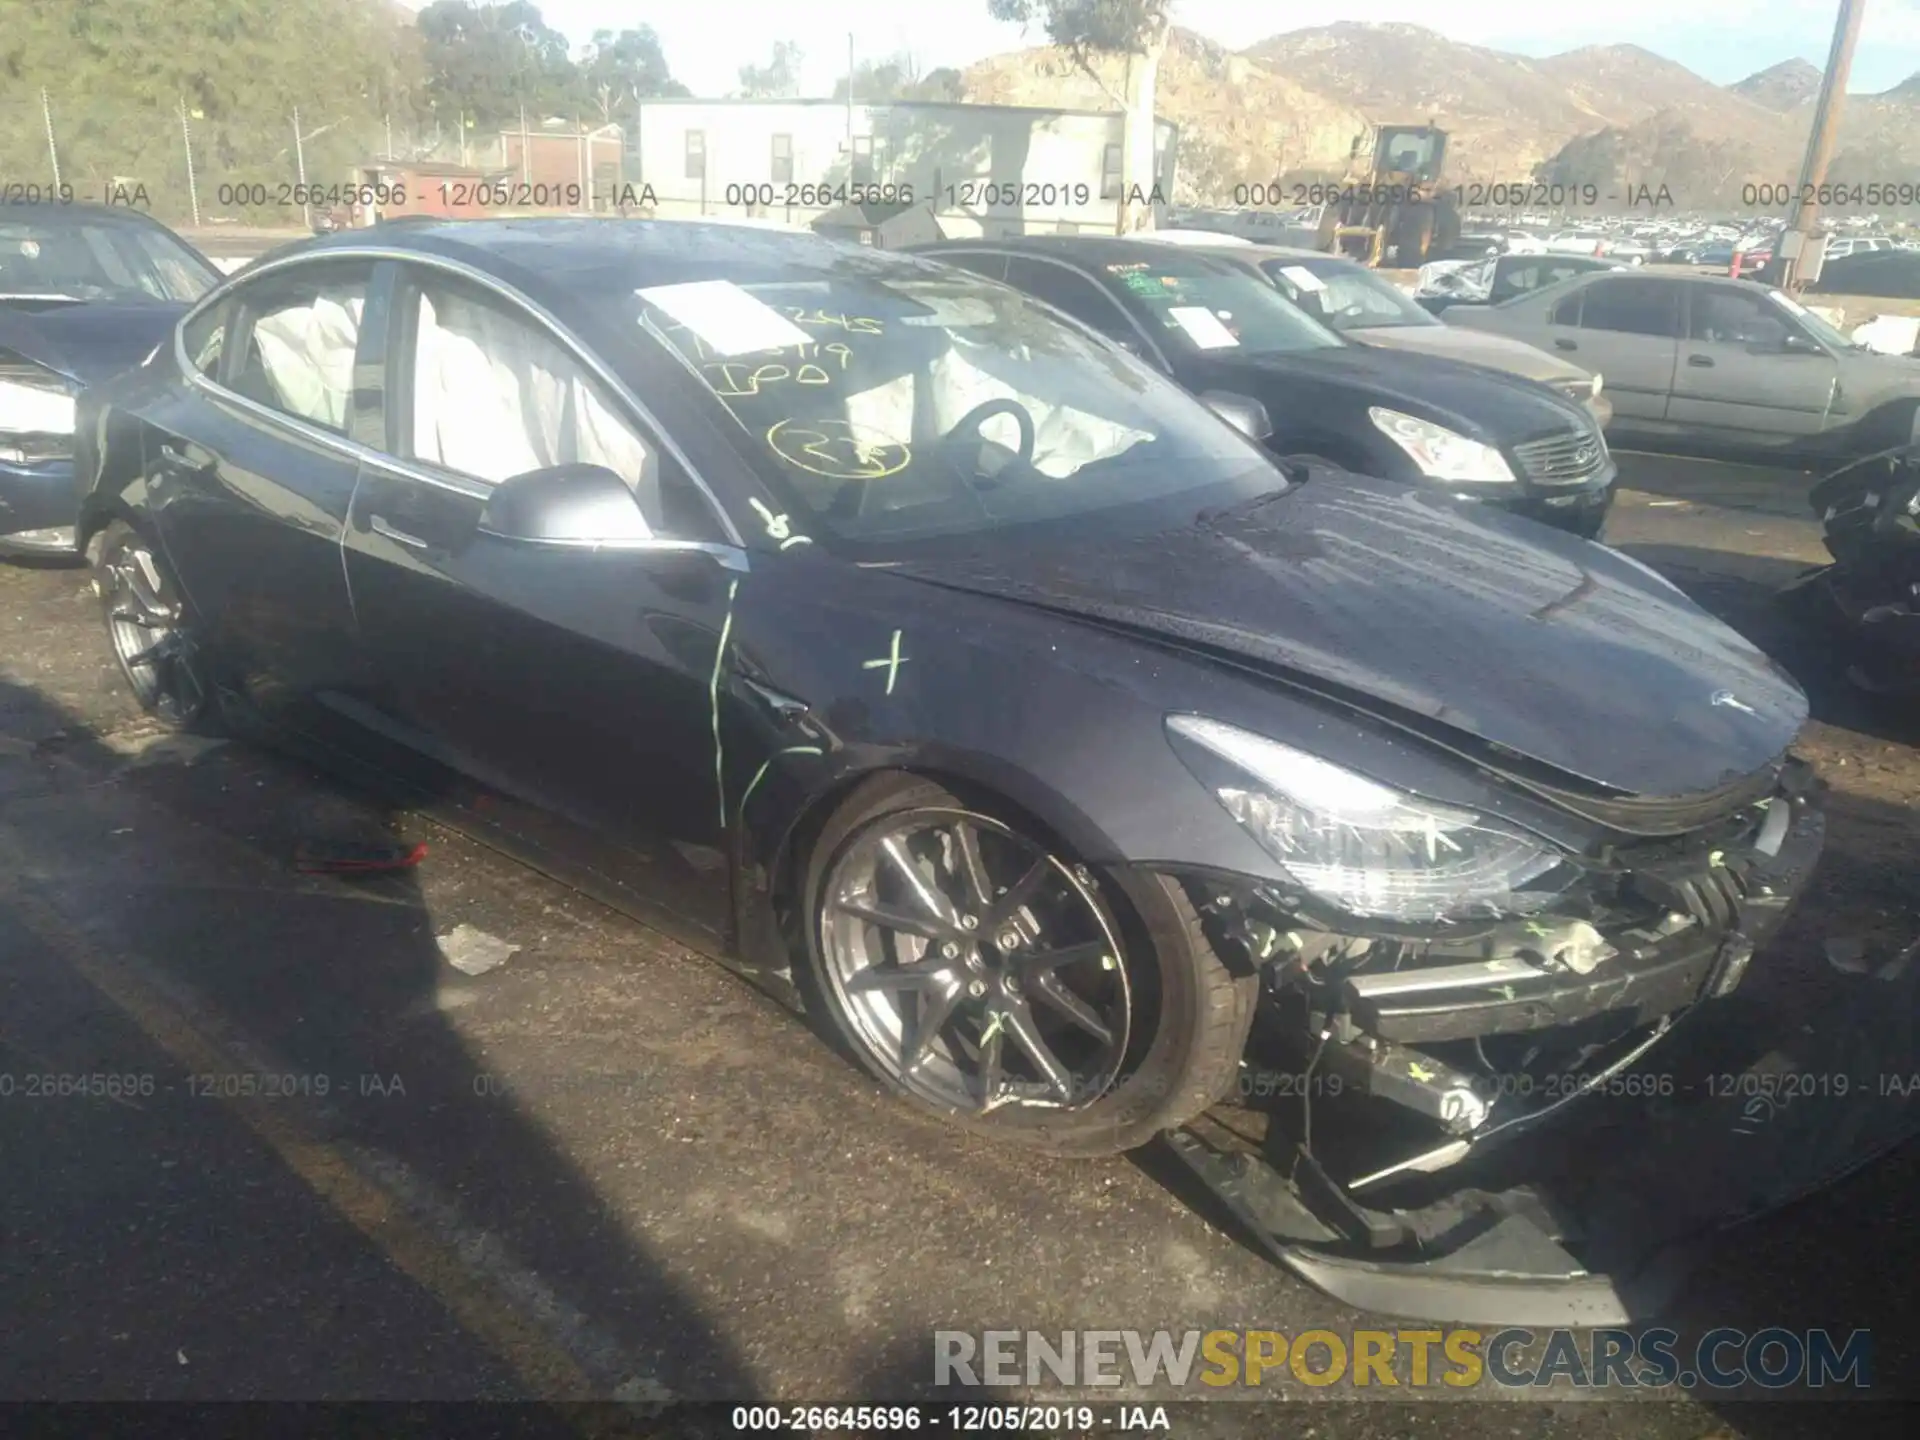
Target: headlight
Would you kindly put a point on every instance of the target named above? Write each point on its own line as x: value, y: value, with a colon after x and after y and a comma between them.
x: 1598, y: 380
x: 1441, y: 454
x: 1365, y: 848
x: 35, y: 408
x: 36, y: 416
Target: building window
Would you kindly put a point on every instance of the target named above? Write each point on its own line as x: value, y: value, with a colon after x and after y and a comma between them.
x: 782, y: 160
x: 1110, y: 173
x: 696, y: 154
x: 863, y: 159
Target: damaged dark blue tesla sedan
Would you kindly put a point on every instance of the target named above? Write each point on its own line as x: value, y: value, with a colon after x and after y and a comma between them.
x: 962, y: 680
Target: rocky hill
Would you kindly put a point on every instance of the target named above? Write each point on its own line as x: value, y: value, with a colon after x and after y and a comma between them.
x: 1783, y: 87
x: 1291, y: 105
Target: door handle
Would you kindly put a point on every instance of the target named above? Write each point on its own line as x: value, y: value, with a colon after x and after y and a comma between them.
x: 177, y: 456
x: 1566, y: 345
x: 399, y: 537
x: 1705, y: 362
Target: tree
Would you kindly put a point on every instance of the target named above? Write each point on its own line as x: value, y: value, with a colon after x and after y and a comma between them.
x: 898, y: 77
x: 1137, y: 30
x: 486, y: 61
x: 779, y: 78
x: 626, y: 66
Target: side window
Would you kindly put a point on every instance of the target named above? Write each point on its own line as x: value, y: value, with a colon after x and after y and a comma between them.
x: 295, y: 342
x: 1735, y: 317
x: 493, y: 395
x: 1073, y: 293
x: 1632, y: 307
x: 202, y: 337
x: 1567, y: 311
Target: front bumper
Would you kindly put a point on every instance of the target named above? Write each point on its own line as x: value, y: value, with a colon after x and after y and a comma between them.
x: 1635, y: 1157
x: 1580, y: 508
x: 38, y: 508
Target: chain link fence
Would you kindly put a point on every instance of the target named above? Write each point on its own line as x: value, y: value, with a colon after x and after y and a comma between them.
x: 192, y: 170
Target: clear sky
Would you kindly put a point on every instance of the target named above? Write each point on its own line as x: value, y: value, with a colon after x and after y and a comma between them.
x: 707, y: 43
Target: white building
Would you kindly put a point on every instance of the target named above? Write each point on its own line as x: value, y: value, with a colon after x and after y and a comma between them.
x: 987, y: 170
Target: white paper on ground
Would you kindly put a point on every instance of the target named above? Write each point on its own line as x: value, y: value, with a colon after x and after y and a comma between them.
x: 1203, y: 327
x: 1303, y: 277
x: 474, y: 952
x: 726, y: 318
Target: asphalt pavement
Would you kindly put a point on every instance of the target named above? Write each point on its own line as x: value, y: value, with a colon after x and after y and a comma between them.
x: 262, y: 1140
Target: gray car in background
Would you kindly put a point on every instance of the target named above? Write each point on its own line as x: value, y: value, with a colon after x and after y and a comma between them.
x: 1701, y: 361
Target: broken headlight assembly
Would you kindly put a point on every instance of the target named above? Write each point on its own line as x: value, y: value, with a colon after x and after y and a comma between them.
x: 1442, y: 454
x: 1366, y: 849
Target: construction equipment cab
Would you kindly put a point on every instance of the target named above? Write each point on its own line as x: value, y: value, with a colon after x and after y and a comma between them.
x: 1392, y: 205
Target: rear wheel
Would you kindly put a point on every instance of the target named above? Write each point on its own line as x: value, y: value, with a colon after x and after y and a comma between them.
x: 978, y: 970
x: 150, y: 630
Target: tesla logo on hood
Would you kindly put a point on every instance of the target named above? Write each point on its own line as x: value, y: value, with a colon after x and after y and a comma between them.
x: 1733, y: 702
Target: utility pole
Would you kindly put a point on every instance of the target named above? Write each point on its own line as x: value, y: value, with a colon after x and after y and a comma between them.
x: 300, y: 166
x: 526, y: 160
x: 1784, y: 268
x: 53, y: 151
x: 849, y: 102
x: 186, y: 140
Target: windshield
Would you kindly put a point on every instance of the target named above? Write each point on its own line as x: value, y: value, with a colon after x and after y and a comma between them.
x: 1190, y: 304
x: 1346, y: 299
x: 893, y: 404
x: 1814, y: 325
x: 70, y: 259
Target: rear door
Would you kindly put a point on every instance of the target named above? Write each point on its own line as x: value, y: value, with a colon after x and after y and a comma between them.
x: 1626, y: 328
x: 567, y: 681
x: 251, y: 469
x: 1748, y: 369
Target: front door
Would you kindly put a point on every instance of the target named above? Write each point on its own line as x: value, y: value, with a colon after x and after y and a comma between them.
x: 1748, y: 370
x: 569, y: 681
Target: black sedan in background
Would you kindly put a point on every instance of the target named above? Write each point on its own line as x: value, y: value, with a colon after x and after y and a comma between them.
x: 1224, y: 334
x: 85, y: 292
x: 957, y: 676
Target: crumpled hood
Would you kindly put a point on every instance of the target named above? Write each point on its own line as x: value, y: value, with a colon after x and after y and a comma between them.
x: 1474, y: 347
x: 1498, y: 409
x: 89, y: 341
x: 1553, y: 647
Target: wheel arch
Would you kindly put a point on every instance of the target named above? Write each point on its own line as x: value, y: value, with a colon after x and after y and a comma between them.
x: 1015, y: 795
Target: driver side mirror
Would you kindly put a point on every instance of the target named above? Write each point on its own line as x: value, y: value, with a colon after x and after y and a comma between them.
x: 1794, y: 343
x: 566, y: 505
x: 1244, y: 413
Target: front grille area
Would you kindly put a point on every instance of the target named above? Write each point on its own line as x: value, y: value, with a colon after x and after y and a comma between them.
x: 1564, y: 459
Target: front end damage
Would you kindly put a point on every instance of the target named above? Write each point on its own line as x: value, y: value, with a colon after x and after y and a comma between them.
x: 1391, y: 1072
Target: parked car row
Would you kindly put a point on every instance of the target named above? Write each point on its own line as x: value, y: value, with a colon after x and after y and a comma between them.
x: 1037, y: 660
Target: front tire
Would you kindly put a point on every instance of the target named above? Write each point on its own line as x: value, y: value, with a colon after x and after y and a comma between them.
x: 976, y: 969
x: 151, y: 631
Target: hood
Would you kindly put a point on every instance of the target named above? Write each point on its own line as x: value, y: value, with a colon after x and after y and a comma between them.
x: 1474, y: 347
x: 1497, y: 408
x: 88, y: 341
x: 1555, y: 648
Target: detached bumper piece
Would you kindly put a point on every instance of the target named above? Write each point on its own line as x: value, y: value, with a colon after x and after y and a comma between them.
x: 1383, y: 1170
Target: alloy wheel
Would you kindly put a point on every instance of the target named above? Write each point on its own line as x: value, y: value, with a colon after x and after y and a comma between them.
x: 150, y: 635
x: 976, y: 969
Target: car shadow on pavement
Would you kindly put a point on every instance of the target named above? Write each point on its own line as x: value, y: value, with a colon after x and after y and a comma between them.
x: 251, y: 1156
